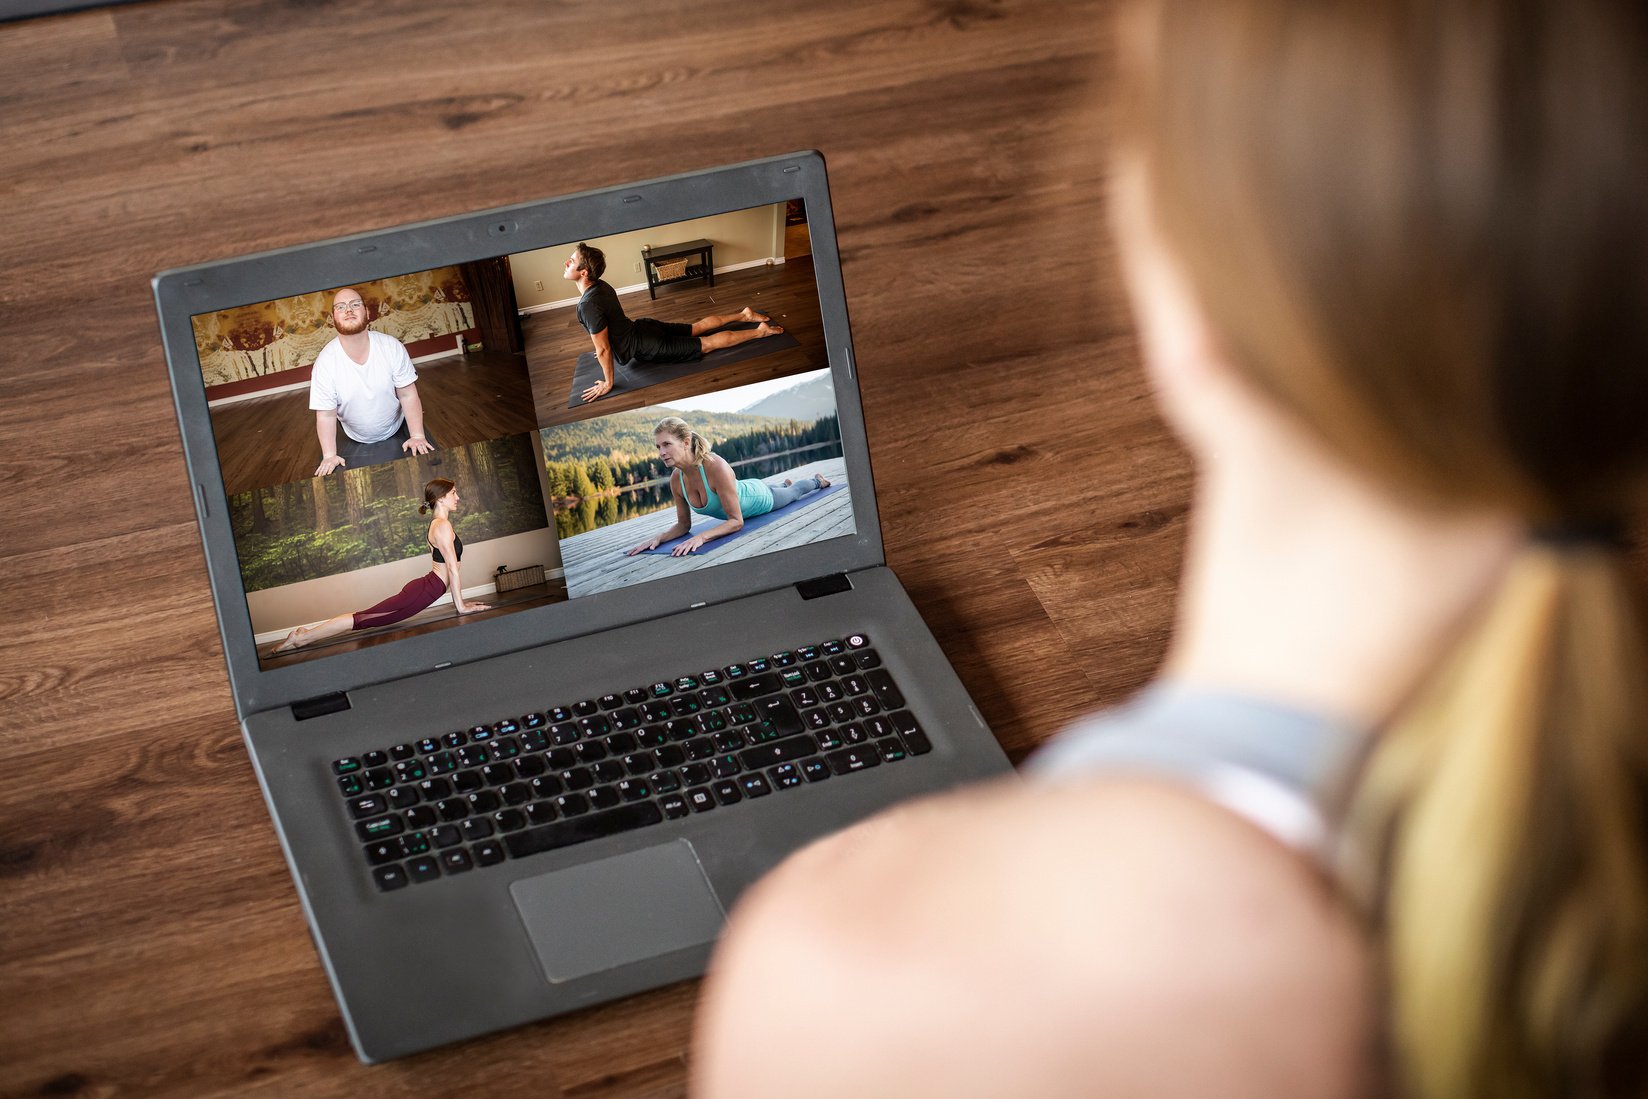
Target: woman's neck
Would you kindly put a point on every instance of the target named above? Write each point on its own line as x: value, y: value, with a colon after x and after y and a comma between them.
x: 1308, y: 586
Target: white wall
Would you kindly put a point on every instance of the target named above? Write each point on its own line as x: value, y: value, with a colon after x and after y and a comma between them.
x: 742, y: 238
x: 276, y: 610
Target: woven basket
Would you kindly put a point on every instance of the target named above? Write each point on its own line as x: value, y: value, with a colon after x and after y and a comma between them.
x: 520, y: 578
x: 670, y: 269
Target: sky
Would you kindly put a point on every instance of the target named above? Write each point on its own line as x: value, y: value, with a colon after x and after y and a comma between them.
x: 732, y: 400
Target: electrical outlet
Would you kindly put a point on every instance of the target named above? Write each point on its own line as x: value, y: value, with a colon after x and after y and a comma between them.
x: 637, y: 268
x: 537, y: 284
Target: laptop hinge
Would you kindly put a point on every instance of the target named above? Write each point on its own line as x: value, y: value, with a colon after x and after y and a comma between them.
x: 323, y: 704
x: 824, y: 585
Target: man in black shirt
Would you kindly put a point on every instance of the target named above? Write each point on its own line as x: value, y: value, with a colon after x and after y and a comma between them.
x: 644, y: 338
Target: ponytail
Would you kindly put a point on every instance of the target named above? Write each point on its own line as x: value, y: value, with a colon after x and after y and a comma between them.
x: 1506, y: 806
x: 432, y: 492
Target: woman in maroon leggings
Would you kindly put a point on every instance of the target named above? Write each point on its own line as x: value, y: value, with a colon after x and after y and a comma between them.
x: 440, y: 495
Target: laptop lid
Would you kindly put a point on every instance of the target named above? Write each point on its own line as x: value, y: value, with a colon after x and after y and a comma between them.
x: 243, y: 333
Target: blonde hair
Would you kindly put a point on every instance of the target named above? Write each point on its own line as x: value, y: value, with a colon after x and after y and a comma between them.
x: 1422, y: 228
x: 697, y: 446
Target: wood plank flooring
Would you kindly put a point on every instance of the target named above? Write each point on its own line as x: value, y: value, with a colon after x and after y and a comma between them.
x: 787, y: 292
x: 466, y: 399
x: 1031, y: 501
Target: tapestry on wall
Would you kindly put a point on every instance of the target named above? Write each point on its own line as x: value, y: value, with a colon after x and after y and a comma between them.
x: 261, y: 340
x: 357, y: 518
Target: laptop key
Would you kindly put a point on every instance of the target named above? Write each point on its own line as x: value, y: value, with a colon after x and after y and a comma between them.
x: 777, y: 715
x: 853, y: 759
x: 367, y: 806
x: 782, y: 751
x: 701, y: 800
x: 380, y: 828
x: 755, y: 686
x: 385, y: 851
x: 565, y: 833
x: 489, y: 853
x: 390, y: 878
x: 423, y: 868
x: 675, y: 806
x: 886, y: 691
x: 914, y: 738
x: 815, y: 769
x: 727, y: 792
x: 456, y: 861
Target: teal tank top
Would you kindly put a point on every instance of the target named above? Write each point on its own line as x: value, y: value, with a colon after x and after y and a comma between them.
x: 754, y: 497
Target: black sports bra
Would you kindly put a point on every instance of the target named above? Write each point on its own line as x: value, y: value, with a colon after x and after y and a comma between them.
x: 457, y: 544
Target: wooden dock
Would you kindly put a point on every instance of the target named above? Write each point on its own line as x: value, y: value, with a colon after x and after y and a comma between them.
x: 595, y: 561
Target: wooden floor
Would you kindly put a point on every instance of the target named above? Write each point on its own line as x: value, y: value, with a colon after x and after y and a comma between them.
x: 466, y: 399
x: 151, y: 942
x: 786, y: 292
x: 596, y: 561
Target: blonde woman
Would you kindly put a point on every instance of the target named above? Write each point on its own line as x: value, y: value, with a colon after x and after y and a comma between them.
x: 702, y: 482
x: 1380, y: 826
x: 445, y: 552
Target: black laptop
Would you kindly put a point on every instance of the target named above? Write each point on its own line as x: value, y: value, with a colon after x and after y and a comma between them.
x: 552, y: 800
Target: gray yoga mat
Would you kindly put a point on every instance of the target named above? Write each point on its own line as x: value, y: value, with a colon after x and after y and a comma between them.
x: 639, y: 375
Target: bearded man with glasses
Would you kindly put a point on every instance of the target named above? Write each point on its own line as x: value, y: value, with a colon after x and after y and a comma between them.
x: 364, y: 382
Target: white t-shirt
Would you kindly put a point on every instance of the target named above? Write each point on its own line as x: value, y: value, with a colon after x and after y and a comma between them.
x: 363, y: 396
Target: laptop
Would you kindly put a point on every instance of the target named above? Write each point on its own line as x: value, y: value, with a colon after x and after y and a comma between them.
x: 552, y: 800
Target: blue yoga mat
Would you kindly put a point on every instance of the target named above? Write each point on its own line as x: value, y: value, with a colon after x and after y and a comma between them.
x: 749, y: 524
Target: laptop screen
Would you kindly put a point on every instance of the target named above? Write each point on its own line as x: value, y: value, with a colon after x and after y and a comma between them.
x: 532, y: 428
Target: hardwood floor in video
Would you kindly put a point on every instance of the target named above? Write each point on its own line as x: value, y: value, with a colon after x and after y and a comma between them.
x: 786, y: 292
x: 469, y: 399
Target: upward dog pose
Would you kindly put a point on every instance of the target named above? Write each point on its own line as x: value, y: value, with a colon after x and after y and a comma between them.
x: 644, y: 338
x: 697, y: 473
x: 363, y: 382
x: 446, y: 551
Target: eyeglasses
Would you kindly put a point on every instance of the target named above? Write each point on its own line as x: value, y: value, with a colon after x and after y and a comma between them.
x: 349, y: 307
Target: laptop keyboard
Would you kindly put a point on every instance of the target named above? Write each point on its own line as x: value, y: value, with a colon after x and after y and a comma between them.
x: 542, y: 781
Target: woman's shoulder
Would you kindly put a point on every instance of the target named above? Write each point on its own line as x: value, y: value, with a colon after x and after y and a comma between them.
x: 1149, y: 941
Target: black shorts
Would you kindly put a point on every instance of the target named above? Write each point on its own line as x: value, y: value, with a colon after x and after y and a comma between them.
x: 655, y: 341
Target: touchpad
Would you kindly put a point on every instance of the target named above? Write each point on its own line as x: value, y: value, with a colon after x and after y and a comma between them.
x: 601, y: 915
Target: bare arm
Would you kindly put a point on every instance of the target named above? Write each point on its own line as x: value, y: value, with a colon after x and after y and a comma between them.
x: 1117, y: 938
x: 326, y: 428
x: 721, y: 479
x: 440, y: 536
x: 683, y: 522
x: 412, y: 408
x: 603, y: 354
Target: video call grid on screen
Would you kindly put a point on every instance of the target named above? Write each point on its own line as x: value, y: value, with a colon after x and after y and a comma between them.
x: 555, y: 490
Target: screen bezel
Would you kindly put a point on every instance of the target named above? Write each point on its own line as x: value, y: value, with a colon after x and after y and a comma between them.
x: 183, y: 293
